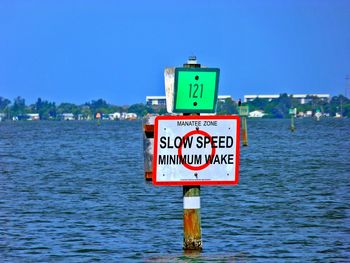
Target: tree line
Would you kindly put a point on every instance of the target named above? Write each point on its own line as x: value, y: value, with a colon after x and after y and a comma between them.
x: 279, y: 108
x: 276, y: 108
x: 51, y: 111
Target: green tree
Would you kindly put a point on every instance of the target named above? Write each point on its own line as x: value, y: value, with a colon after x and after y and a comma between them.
x: 86, y: 112
x: 46, y: 110
x: 340, y: 104
x: 68, y: 108
x: 258, y: 104
x: 18, y: 107
x: 99, y: 105
x: 226, y: 107
x: 140, y: 109
x: 4, y: 103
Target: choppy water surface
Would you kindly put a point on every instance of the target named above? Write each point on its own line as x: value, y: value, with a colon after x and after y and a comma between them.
x: 75, y: 192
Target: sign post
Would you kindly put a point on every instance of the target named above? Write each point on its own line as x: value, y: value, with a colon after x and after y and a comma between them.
x: 192, y: 150
x: 292, y: 112
x: 244, y: 112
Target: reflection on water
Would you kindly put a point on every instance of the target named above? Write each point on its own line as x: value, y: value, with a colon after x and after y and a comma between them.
x: 75, y: 191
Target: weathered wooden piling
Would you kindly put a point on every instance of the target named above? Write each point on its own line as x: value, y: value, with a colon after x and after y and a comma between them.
x: 244, y: 131
x: 192, y: 218
x: 243, y: 112
x: 191, y: 195
x: 148, y: 141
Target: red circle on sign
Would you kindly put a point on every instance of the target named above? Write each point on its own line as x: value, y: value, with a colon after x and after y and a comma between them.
x: 213, y: 150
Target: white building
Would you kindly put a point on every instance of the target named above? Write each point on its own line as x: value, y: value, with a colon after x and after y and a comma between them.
x: 128, y: 116
x: 308, y: 113
x: 256, y: 114
x: 68, y: 116
x: 114, y: 116
x: 156, y: 101
x: 224, y: 97
x: 33, y: 116
x: 131, y: 116
x: 81, y: 117
x: 303, y: 98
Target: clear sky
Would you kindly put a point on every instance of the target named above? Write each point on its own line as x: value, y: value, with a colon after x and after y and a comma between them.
x: 77, y: 51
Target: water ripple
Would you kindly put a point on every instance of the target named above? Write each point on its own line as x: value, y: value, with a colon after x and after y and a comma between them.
x: 75, y: 192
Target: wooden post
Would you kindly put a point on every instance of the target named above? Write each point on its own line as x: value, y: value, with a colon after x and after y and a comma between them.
x: 191, y: 195
x: 192, y: 218
x: 244, y: 131
x: 148, y: 141
x: 292, y: 126
x: 292, y: 112
x: 243, y: 111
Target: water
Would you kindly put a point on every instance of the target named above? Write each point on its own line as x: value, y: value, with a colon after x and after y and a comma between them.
x: 75, y: 192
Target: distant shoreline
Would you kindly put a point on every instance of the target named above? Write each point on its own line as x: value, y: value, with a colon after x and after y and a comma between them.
x: 279, y: 107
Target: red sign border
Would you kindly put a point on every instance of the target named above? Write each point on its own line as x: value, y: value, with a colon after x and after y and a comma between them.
x: 206, y: 183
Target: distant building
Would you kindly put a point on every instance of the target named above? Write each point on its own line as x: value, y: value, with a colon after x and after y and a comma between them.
x: 105, y: 116
x: 33, y: 116
x: 84, y: 117
x: 256, y: 114
x: 302, y: 98
x: 305, y: 98
x: 224, y: 97
x: 308, y: 113
x: 67, y: 116
x: 161, y: 100
x: 114, y: 116
x: 156, y: 101
x: 27, y: 117
x: 131, y: 116
x: 300, y: 114
x: 128, y: 116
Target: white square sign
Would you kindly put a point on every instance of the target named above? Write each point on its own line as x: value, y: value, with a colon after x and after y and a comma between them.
x: 196, y: 150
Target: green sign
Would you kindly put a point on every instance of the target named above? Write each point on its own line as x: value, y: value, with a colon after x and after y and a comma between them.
x: 293, y: 111
x: 196, y: 90
x: 243, y: 110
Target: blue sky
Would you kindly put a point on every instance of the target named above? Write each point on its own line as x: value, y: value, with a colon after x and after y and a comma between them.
x: 77, y: 51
